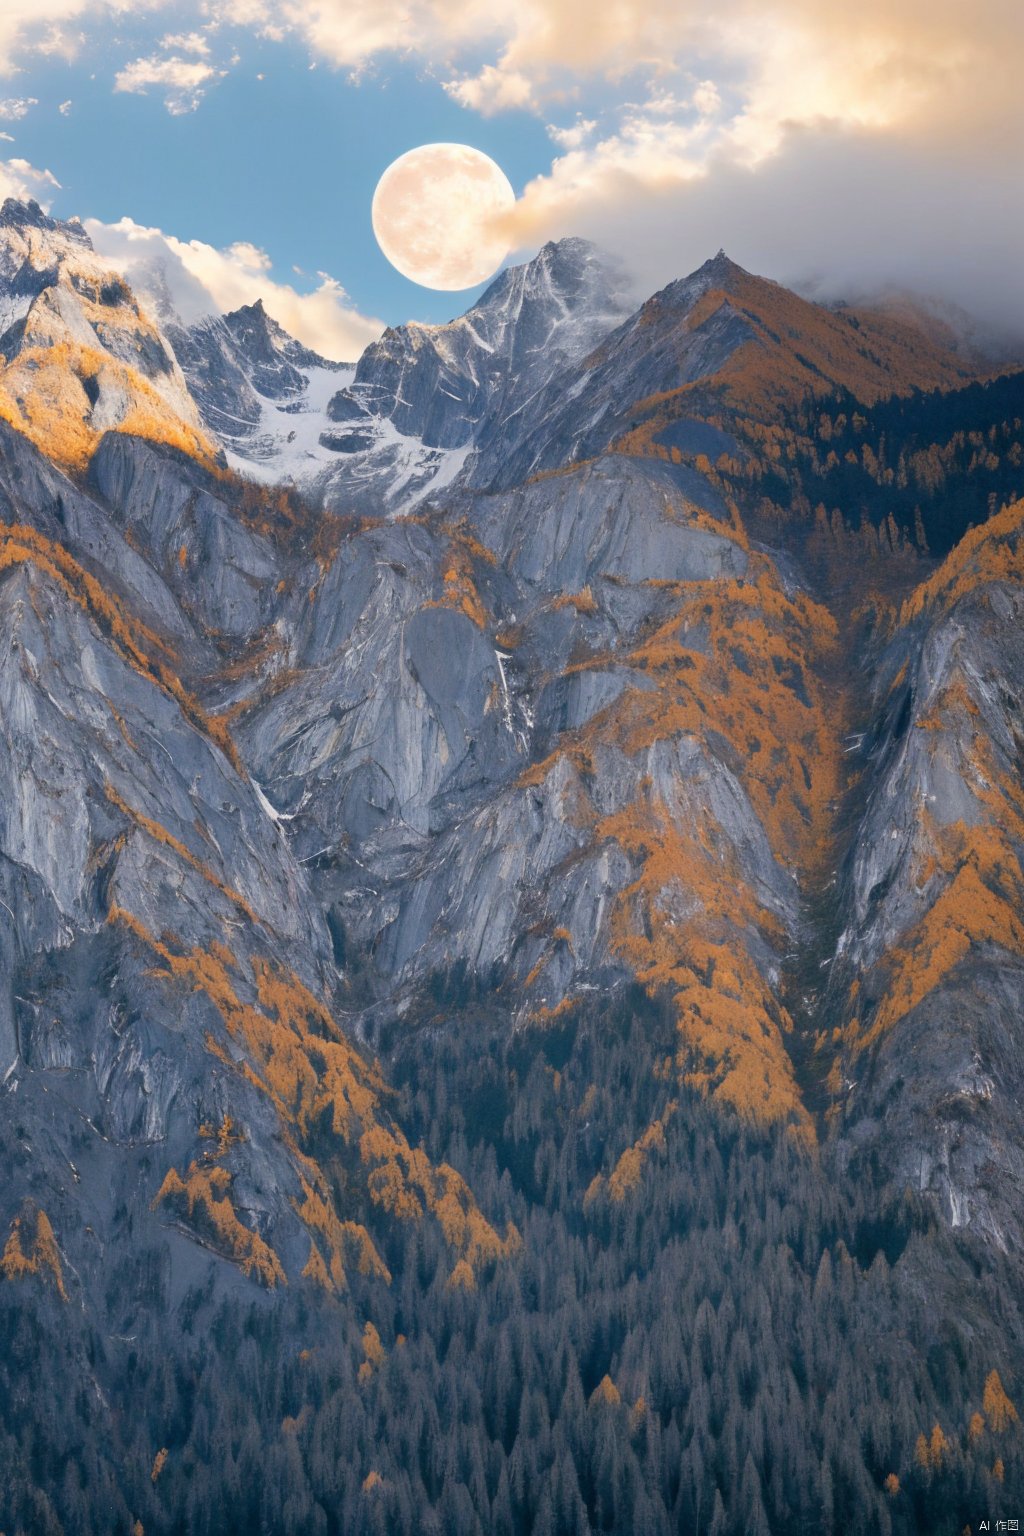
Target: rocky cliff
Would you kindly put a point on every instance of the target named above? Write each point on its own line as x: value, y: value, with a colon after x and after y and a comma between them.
x: 529, y: 682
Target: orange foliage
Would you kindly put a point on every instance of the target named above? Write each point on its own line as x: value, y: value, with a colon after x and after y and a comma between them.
x: 999, y: 1410
x: 42, y: 1257
x: 203, y: 1195
x: 625, y: 1176
x: 459, y: 585
x: 299, y: 1058
x: 159, y: 1461
x: 994, y: 551
x: 373, y: 1349
x: 729, y: 1021
x: 43, y: 394
x: 932, y: 1453
x: 462, y: 1277
x: 978, y: 905
x: 739, y: 666
x: 892, y: 1485
x: 562, y: 1009
x: 583, y: 601
x: 605, y: 1394
x: 795, y: 349
x: 225, y: 1135
x: 316, y: 1270
x: 403, y: 1181
x: 340, y: 1238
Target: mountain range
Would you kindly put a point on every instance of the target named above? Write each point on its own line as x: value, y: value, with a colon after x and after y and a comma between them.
x: 512, y: 912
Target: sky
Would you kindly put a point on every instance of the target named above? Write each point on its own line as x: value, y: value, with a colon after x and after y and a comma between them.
x: 842, y: 149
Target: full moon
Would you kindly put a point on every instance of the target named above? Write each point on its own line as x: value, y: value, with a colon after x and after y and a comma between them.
x: 436, y: 215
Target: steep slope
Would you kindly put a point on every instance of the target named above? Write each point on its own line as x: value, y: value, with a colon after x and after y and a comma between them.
x: 167, y: 962
x: 929, y: 968
x: 398, y: 427
x: 80, y: 357
x: 262, y: 393
x: 717, y: 347
x: 439, y: 382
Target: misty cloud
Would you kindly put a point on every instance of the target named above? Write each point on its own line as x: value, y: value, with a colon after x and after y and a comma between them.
x: 837, y: 213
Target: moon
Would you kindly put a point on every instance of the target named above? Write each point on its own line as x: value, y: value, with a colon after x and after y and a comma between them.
x: 437, y: 212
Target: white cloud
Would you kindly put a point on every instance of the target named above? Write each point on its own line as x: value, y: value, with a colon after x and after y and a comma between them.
x: 183, y: 81
x: 575, y: 135
x: 65, y: 108
x: 492, y: 90
x: 204, y: 280
x: 21, y: 180
x: 186, y: 42
x: 706, y: 98
x: 13, y: 108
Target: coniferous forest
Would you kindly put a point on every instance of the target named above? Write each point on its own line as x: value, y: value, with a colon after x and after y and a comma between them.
x: 746, y: 1343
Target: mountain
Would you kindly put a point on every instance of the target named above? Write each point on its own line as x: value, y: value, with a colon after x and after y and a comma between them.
x: 709, y: 348
x: 80, y: 357
x: 397, y: 428
x: 445, y: 383
x: 512, y: 929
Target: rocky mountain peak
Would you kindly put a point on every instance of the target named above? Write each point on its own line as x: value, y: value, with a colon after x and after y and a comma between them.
x: 719, y: 272
x: 264, y: 342
x: 440, y: 382
x: 80, y: 355
x: 15, y: 214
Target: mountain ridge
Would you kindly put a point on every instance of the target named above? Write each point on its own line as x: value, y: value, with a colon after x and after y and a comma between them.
x: 529, y: 930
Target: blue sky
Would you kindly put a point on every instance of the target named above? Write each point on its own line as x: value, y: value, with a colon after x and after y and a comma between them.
x: 842, y: 149
x: 288, y: 162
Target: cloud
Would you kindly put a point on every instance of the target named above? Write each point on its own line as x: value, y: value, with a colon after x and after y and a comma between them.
x: 21, y: 180
x: 492, y: 90
x: 183, y: 81
x: 575, y: 135
x: 204, y: 280
x: 838, y: 212
x: 43, y: 27
x: 706, y: 98
x: 186, y: 42
x: 13, y: 108
x: 686, y: 119
x: 65, y: 108
x: 879, y: 62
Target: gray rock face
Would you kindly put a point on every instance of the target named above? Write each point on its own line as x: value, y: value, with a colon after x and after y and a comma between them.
x: 398, y: 428
x: 402, y: 756
x: 114, y: 802
x: 187, y: 532
x: 240, y: 363
x: 619, y: 521
x: 257, y: 769
x: 933, y: 918
x: 583, y: 410
x: 439, y: 383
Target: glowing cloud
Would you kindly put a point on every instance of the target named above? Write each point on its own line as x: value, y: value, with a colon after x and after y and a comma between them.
x: 202, y: 280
